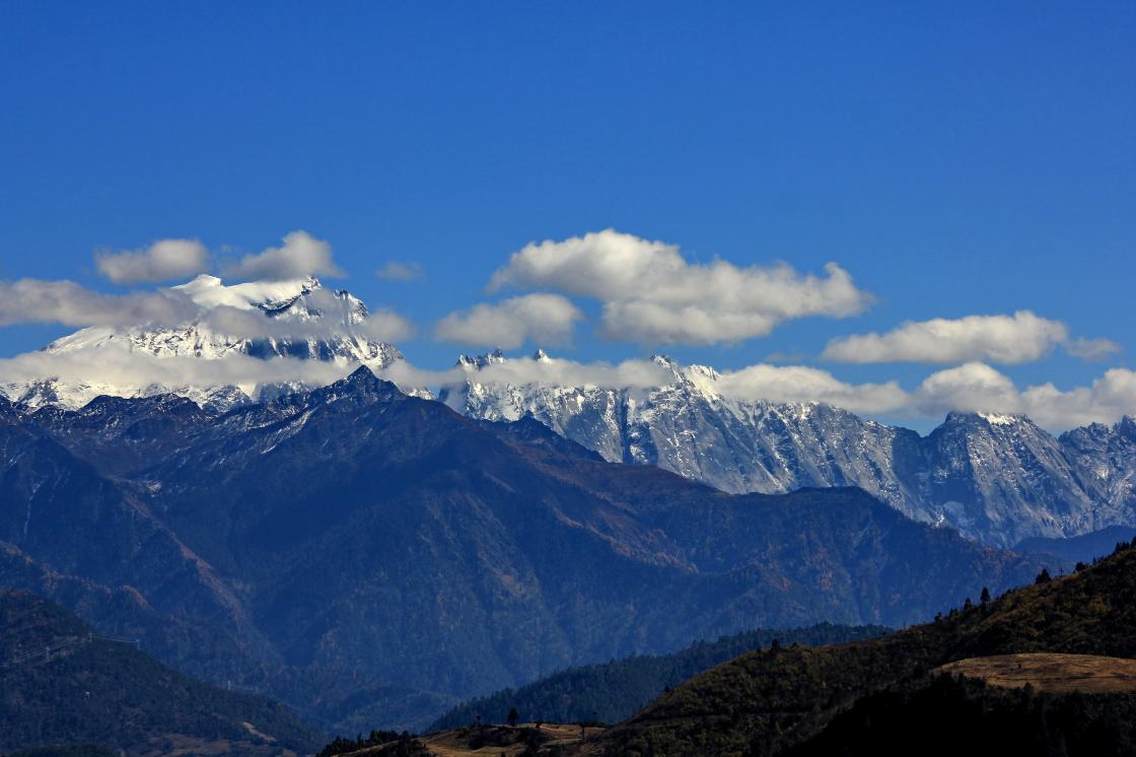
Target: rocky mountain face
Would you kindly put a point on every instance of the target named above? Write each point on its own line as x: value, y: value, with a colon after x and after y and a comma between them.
x: 287, y: 306
x: 995, y: 478
x: 367, y: 556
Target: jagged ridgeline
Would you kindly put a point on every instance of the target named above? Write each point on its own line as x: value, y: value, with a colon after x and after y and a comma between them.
x: 995, y: 478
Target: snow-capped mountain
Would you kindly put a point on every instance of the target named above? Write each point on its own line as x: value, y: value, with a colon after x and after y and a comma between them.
x: 303, y: 320
x: 995, y: 478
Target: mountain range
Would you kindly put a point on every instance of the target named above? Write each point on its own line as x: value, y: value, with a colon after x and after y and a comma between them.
x: 371, y: 558
x: 994, y: 478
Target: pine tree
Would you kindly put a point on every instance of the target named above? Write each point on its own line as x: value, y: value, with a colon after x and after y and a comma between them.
x: 985, y: 596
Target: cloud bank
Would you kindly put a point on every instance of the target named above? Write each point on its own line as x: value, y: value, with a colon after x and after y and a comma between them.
x: 652, y: 295
x: 69, y: 304
x: 979, y: 388
x: 225, y: 310
x: 647, y: 290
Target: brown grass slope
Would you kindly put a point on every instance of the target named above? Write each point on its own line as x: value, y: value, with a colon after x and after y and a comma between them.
x: 763, y: 702
x: 1050, y: 672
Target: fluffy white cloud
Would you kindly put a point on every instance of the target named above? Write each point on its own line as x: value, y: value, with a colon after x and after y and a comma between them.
x: 69, y: 304
x: 1018, y: 338
x: 163, y: 260
x: 544, y: 318
x: 395, y: 270
x: 118, y: 367
x: 651, y: 294
x: 300, y: 255
x: 972, y: 387
x: 980, y: 388
x: 1008, y: 339
x: 798, y: 383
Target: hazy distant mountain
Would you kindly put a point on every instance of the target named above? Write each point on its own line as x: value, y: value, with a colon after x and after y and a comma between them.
x: 996, y: 478
x: 363, y: 554
x: 1084, y: 548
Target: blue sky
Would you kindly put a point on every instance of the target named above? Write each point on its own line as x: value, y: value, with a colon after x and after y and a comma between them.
x: 955, y: 160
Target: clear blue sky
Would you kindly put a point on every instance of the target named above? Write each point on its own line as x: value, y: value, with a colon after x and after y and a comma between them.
x: 956, y: 160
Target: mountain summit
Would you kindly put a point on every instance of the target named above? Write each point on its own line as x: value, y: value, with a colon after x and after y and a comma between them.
x: 299, y: 319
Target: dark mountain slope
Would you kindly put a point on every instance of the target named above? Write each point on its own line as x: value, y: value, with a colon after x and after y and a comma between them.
x: 382, y: 543
x: 947, y: 717
x: 613, y: 691
x: 67, y: 531
x: 763, y: 702
x: 62, y: 685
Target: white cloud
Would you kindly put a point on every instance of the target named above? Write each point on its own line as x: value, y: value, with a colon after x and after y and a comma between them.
x: 1092, y: 349
x: 544, y: 318
x: 1007, y: 339
x: 979, y: 388
x: 972, y: 387
x: 69, y: 304
x: 651, y: 294
x: 386, y: 326
x: 116, y: 366
x: 395, y: 270
x: 163, y: 260
x: 300, y: 255
x: 1018, y: 338
x: 798, y: 383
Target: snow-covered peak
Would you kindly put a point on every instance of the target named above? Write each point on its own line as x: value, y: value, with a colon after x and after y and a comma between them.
x: 302, y: 321
x: 210, y: 292
x: 997, y: 419
x: 477, y: 362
